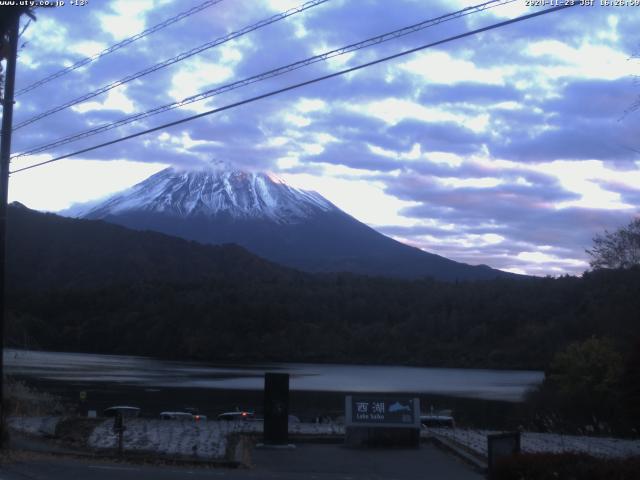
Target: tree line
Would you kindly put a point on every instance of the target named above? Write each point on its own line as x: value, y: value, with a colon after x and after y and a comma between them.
x: 91, y: 286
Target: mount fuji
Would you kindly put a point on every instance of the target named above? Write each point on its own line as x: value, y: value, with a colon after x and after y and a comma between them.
x: 301, y: 229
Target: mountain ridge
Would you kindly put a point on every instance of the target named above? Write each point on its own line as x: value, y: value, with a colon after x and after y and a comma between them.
x: 45, y: 250
x: 268, y: 217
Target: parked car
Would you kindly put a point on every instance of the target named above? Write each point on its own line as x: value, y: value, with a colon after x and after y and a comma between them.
x: 125, y: 410
x: 241, y: 416
x: 294, y: 419
x: 185, y: 416
x: 176, y: 416
x: 443, y: 418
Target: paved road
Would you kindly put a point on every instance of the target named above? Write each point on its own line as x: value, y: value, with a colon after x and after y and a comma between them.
x: 307, y: 461
x: 321, y: 462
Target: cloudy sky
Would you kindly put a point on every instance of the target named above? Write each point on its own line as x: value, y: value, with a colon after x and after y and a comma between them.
x: 509, y: 148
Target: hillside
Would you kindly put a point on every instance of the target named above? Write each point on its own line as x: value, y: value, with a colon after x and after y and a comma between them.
x: 91, y: 286
x: 49, y: 251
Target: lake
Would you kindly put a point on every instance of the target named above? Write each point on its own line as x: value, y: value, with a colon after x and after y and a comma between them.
x: 165, y: 385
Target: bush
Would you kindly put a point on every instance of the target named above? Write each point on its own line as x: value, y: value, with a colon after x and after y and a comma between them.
x: 23, y: 400
x: 581, y: 392
x: 631, y: 389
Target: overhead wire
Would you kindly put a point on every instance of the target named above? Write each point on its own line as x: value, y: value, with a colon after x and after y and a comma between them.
x: 170, y: 61
x: 119, y: 45
x: 268, y: 74
x: 301, y: 84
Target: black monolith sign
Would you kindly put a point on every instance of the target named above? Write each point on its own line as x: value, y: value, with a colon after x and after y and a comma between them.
x: 276, y: 408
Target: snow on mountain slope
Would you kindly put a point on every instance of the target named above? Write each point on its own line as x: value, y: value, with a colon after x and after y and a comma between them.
x: 212, y: 191
x: 297, y: 228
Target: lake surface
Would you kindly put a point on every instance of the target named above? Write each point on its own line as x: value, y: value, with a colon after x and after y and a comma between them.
x: 78, y: 370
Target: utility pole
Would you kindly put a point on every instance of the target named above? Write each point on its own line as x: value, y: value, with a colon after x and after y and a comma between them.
x: 5, y: 153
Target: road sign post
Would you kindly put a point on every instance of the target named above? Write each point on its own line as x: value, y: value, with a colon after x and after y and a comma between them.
x: 118, y: 429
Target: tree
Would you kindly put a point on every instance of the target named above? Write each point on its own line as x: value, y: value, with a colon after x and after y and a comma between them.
x: 581, y: 391
x: 589, y: 369
x: 631, y: 387
x: 619, y: 249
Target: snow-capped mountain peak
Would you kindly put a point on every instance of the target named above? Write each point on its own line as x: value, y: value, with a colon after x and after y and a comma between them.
x: 214, y: 190
x: 219, y: 204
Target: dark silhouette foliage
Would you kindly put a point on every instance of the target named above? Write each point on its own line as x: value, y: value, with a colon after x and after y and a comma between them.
x: 619, y: 249
x: 582, y: 390
x: 630, y: 388
x: 91, y: 286
x: 547, y: 466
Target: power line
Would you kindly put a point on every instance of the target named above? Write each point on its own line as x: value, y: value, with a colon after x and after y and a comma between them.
x: 178, y: 58
x: 301, y: 84
x: 266, y: 75
x: 119, y: 45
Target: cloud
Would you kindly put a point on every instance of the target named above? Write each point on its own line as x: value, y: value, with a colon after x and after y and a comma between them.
x: 127, y: 19
x: 439, y: 67
x: 582, y: 122
x: 583, y: 62
x: 116, y: 99
x: 470, y: 93
x: 507, y: 148
x: 99, y: 179
x: 195, y: 76
x: 448, y: 137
